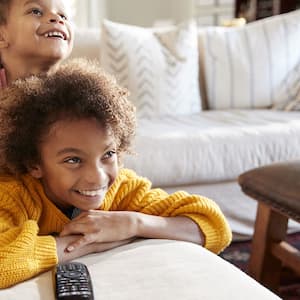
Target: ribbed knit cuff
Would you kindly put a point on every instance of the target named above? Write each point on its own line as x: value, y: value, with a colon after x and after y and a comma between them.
x: 216, y: 238
x: 45, y: 252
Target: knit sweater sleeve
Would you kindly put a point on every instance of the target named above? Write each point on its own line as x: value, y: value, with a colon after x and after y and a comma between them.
x: 23, y: 253
x: 134, y: 193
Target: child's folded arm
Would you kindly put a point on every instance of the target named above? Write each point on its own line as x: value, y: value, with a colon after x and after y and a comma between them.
x: 213, y: 227
x: 133, y: 193
x: 24, y: 254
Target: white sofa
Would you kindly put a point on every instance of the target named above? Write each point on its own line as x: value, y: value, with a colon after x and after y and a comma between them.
x: 243, y: 71
x: 154, y: 269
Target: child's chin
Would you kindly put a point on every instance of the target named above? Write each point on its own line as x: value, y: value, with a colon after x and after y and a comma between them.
x: 93, y: 206
x: 57, y: 56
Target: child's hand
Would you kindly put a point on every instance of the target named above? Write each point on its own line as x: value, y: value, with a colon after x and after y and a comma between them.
x: 95, y: 226
x: 63, y: 242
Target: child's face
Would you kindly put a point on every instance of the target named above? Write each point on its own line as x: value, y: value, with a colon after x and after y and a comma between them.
x: 38, y: 30
x: 78, y: 163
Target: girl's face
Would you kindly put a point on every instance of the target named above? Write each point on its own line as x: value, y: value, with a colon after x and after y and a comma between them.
x: 38, y: 31
x: 78, y: 163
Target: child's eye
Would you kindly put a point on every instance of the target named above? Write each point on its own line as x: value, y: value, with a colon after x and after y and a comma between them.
x: 36, y: 12
x: 64, y: 17
x: 109, y: 154
x: 73, y: 160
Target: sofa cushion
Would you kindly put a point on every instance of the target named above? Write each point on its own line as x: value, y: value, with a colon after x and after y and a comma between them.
x: 213, y: 146
x: 158, y: 66
x: 245, y: 66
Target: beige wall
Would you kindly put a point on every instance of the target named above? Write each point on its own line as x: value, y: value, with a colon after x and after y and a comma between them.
x: 90, y: 13
x: 147, y: 12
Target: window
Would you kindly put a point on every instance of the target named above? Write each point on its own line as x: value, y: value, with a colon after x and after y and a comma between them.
x: 213, y: 12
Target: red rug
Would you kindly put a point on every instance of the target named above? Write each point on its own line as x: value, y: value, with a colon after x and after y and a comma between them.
x: 238, y: 253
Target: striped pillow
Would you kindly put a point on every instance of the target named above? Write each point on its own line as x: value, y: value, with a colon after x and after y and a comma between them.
x: 159, y: 66
x: 244, y: 67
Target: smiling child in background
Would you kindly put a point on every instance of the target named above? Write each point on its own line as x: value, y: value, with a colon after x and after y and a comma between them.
x: 35, y: 36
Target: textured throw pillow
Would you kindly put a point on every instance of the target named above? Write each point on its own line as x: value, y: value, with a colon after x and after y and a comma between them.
x: 294, y: 104
x: 245, y: 66
x: 288, y: 97
x: 159, y: 66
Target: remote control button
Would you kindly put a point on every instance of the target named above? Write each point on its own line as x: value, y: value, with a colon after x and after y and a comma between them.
x: 72, y: 274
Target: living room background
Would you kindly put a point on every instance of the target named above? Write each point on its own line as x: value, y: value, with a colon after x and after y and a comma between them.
x: 152, y: 13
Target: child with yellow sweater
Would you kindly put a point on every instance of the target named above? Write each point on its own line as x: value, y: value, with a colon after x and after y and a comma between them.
x: 64, y: 193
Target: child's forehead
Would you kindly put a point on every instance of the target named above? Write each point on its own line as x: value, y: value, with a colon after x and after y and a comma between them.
x: 82, y: 130
x: 60, y: 4
x: 68, y: 123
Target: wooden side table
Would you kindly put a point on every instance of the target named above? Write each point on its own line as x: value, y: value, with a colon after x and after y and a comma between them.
x: 276, y: 187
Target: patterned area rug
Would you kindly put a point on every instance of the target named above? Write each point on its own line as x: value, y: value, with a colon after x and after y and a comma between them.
x: 238, y: 253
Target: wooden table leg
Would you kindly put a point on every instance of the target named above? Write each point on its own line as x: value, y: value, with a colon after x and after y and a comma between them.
x: 270, y: 227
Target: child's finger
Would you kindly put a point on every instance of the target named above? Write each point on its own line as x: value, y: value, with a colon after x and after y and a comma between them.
x: 81, y: 242
x: 74, y: 228
x: 65, y: 232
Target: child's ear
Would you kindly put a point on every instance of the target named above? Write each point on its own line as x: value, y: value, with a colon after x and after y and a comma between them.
x: 3, y: 40
x: 35, y: 171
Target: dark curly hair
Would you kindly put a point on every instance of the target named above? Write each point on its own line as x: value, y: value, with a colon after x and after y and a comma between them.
x: 77, y: 90
x: 4, y: 7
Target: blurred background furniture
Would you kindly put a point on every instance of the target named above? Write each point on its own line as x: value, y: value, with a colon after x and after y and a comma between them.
x: 276, y: 187
x: 258, y: 9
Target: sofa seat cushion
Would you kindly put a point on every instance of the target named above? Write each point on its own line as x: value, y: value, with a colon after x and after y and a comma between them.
x: 213, y: 146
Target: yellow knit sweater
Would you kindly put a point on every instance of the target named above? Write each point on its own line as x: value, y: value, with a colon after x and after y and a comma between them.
x: 28, y: 217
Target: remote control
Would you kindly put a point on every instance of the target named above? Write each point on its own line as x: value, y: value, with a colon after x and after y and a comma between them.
x: 72, y: 281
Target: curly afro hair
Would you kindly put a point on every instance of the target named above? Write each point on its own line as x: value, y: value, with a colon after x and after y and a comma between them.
x: 4, y: 7
x: 79, y: 89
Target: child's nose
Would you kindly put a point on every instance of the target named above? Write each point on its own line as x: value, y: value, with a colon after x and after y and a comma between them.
x: 56, y: 19
x: 96, y: 175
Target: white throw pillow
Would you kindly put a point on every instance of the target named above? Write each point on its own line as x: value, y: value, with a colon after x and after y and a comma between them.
x: 159, y: 66
x: 245, y: 66
x: 288, y: 97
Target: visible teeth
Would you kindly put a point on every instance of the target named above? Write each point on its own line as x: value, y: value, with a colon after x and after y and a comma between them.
x: 55, y: 33
x: 90, y: 193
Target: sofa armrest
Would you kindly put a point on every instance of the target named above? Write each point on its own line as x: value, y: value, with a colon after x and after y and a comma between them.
x: 154, y: 269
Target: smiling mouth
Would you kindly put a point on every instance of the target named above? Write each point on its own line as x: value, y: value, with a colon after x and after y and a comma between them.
x: 56, y: 34
x: 91, y: 193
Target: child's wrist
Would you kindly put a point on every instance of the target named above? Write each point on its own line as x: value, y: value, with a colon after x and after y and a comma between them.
x: 135, y: 223
x: 146, y: 225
